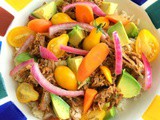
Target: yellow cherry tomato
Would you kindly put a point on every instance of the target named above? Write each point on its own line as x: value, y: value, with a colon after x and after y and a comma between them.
x: 60, y: 18
x: 92, y: 40
x: 25, y: 93
x: 105, y: 70
x: 101, y: 20
x: 65, y: 78
x: 17, y: 36
x: 147, y: 43
x: 94, y: 115
x: 54, y: 45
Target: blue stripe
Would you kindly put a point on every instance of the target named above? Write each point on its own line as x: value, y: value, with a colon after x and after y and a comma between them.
x: 139, y: 2
x: 0, y: 45
x: 9, y: 111
x: 154, y: 13
x: 3, y: 92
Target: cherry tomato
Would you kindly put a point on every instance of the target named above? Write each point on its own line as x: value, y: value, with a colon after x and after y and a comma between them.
x: 25, y: 93
x: 54, y: 45
x: 147, y: 43
x: 17, y: 36
x: 65, y: 78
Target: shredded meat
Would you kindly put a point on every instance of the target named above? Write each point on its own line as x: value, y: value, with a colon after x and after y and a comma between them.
x: 133, y: 62
x: 98, y: 79
x: 110, y: 95
x: 59, y: 33
x: 47, y: 68
x: 44, y: 101
x: 76, y: 107
x: 67, y: 55
x: 39, y: 41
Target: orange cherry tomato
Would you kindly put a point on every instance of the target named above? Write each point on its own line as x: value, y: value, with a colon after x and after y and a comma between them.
x: 146, y: 43
x: 17, y: 36
x: 65, y: 78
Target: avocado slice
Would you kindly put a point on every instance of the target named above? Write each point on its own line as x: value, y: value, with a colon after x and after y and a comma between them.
x: 46, y: 11
x: 74, y: 63
x: 60, y: 107
x: 109, y: 7
x: 131, y: 30
x: 76, y: 36
x: 110, y: 113
x: 124, y: 40
x: 128, y: 85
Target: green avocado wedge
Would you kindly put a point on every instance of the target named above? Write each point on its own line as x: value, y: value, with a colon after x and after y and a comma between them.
x: 46, y: 11
x: 128, y: 85
x: 60, y: 107
x: 131, y: 29
x: 124, y: 40
x: 109, y: 7
x: 76, y: 36
x: 74, y: 63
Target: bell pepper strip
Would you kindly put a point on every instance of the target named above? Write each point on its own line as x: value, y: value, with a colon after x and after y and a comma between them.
x: 117, y: 18
x: 26, y: 45
x: 94, y: 7
x: 68, y: 26
x: 60, y: 18
x: 148, y: 73
x: 92, y: 60
x: 118, y: 53
x: 20, y: 66
x: 93, y: 38
x: 105, y: 70
x: 39, y: 25
x: 73, y: 50
x: 43, y: 82
x: 84, y: 13
x: 88, y: 99
x: 45, y: 53
x: 101, y: 20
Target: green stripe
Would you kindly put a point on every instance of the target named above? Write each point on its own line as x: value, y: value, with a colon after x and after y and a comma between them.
x: 154, y: 13
x: 3, y: 92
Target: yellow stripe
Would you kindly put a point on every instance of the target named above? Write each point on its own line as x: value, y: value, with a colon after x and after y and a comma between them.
x: 18, y: 4
x: 153, y: 111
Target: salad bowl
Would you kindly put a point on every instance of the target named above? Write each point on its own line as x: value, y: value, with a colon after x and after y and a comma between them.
x: 133, y: 109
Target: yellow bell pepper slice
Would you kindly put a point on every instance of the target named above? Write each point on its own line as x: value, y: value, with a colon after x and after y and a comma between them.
x: 105, y: 70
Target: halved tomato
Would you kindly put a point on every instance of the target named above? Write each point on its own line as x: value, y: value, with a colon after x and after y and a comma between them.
x: 148, y: 44
x: 18, y: 35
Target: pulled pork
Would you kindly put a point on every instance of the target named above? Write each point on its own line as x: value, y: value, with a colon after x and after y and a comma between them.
x: 98, y: 79
x: 39, y: 41
x: 45, y: 101
x: 132, y: 61
x: 47, y: 68
x: 110, y: 95
x: 76, y: 107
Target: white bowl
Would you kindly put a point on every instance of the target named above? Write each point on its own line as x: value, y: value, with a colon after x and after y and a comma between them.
x: 134, y: 109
